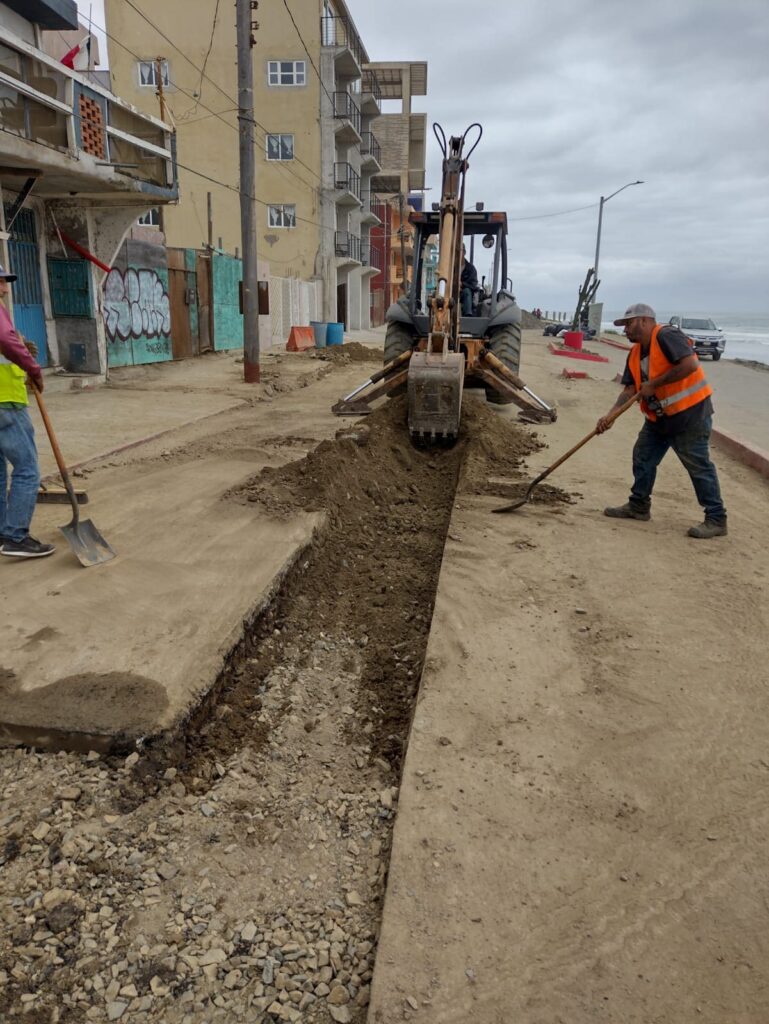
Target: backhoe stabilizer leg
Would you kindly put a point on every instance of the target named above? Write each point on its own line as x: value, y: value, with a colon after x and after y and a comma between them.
x: 494, y: 372
x: 354, y: 406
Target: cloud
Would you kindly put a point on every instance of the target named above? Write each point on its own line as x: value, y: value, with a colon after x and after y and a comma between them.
x: 577, y: 99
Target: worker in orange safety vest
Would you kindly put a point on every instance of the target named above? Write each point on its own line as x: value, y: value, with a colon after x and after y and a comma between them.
x: 678, y: 414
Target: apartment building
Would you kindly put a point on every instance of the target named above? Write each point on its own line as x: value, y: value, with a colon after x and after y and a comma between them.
x: 317, y: 102
x: 78, y: 164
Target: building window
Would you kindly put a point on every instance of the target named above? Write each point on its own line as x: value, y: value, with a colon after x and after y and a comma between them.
x: 148, y: 76
x: 150, y: 219
x: 282, y: 215
x: 280, y: 147
x: 286, y: 72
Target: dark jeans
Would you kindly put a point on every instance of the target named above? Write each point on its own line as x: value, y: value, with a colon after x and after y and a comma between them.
x: 466, y: 300
x: 692, y: 448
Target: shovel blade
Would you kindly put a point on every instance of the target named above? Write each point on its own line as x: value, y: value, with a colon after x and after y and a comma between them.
x: 87, y: 543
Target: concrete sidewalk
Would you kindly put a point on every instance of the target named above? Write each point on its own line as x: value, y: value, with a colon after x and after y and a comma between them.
x: 105, y: 655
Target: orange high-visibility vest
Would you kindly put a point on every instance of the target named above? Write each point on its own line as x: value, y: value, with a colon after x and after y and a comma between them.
x: 675, y: 397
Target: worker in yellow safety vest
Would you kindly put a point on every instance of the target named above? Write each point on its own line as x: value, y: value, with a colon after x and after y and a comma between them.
x: 17, y: 440
x: 678, y: 414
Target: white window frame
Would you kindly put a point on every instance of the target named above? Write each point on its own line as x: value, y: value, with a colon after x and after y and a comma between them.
x: 152, y: 218
x: 154, y: 84
x: 280, y: 215
x: 279, y: 136
x: 275, y: 71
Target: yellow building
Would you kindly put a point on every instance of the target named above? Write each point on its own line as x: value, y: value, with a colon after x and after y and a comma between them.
x: 317, y: 152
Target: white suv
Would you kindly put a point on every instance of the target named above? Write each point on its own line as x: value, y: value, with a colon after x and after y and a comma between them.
x: 708, y: 339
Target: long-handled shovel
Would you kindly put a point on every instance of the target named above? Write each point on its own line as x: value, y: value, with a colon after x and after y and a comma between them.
x: 85, y: 540
x: 610, y: 418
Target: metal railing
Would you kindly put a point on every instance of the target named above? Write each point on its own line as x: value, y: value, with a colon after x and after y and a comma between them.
x: 370, y: 147
x: 346, y: 109
x: 43, y: 101
x: 371, y: 256
x: 340, y: 33
x: 370, y: 84
x: 347, y: 244
x: 346, y: 179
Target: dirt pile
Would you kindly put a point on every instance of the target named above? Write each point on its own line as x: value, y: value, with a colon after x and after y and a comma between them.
x: 352, y: 352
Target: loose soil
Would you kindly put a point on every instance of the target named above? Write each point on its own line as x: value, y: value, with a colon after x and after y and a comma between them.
x: 236, y: 872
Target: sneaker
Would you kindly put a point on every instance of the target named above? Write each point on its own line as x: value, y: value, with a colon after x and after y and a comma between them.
x: 710, y: 528
x: 27, y: 548
x: 627, y: 511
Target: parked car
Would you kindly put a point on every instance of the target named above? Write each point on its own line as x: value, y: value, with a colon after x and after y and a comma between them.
x: 708, y: 339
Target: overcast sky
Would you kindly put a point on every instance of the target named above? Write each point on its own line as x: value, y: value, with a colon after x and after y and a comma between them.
x: 578, y: 97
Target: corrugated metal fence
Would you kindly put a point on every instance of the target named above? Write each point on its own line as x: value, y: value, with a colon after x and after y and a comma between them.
x: 293, y: 303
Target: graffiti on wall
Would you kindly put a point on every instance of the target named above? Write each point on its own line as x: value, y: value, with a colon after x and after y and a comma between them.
x: 136, y: 306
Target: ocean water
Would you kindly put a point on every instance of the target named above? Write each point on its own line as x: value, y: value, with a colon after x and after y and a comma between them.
x: 747, y: 334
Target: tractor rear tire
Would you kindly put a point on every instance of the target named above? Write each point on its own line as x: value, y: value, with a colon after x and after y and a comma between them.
x: 505, y: 344
x: 398, y: 339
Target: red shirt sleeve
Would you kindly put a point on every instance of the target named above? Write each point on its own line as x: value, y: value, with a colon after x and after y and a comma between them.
x: 13, y: 348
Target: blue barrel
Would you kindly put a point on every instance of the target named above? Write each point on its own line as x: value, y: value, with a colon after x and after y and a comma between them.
x: 335, y: 334
x: 319, y: 330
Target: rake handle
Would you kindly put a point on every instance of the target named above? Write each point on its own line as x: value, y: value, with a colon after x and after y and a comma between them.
x: 56, y: 452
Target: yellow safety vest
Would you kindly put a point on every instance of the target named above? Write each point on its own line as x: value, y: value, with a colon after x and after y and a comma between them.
x: 12, y: 386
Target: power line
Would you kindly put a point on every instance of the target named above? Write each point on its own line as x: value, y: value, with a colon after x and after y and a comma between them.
x: 561, y: 213
x: 197, y: 99
x: 306, y: 50
x: 208, y: 51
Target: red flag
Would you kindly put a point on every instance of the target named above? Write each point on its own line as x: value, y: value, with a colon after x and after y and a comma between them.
x: 68, y: 60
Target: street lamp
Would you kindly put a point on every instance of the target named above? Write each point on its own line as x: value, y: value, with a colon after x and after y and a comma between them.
x: 600, y: 218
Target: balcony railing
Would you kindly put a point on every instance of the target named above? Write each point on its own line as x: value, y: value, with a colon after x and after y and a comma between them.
x: 370, y: 147
x: 347, y: 244
x: 340, y: 33
x: 370, y: 256
x: 44, y: 102
x: 370, y: 84
x: 346, y: 109
x: 346, y: 179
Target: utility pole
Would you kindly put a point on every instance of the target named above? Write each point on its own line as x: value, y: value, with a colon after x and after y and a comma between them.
x: 246, y: 41
x: 403, y: 244
x: 160, y: 91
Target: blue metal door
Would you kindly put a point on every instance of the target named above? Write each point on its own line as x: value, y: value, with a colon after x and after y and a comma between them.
x: 28, y: 312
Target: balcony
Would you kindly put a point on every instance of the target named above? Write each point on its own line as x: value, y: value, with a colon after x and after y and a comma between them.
x: 339, y: 34
x: 347, y: 248
x: 371, y: 258
x: 347, y: 117
x: 368, y: 213
x: 74, y: 136
x: 371, y: 153
x: 371, y: 94
x: 347, y: 185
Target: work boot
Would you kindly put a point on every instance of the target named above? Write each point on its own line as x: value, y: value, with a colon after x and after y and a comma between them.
x: 27, y: 548
x: 710, y: 528
x: 627, y: 511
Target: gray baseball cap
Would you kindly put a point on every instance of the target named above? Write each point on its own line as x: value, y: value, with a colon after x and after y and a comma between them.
x: 637, y: 309
x: 5, y: 275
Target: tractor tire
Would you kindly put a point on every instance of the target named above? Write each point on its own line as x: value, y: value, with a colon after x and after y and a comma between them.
x: 505, y: 344
x: 398, y: 339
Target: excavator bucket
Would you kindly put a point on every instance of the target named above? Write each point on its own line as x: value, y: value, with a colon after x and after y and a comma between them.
x: 435, y: 384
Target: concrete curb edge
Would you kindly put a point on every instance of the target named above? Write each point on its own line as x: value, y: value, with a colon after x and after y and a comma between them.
x: 743, y: 451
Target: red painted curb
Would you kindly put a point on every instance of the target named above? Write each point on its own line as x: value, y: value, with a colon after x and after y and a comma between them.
x: 571, y: 353
x: 743, y: 451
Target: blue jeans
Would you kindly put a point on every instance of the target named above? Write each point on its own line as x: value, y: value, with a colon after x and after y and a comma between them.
x: 466, y: 300
x: 692, y: 448
x: 17, y: 446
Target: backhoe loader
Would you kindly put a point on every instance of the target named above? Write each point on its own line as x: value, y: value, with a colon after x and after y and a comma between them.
x: 437, y: 351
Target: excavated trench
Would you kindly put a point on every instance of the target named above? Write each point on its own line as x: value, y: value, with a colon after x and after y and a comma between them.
x: 279, y: 797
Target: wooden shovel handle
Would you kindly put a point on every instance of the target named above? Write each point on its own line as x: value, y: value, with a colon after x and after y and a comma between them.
x: 611, y: 418
x: 56, y: 450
